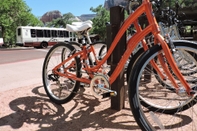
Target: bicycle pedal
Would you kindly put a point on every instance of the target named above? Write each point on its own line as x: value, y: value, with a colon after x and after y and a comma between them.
x: 82, y: 85
x: 109, y: 94
x: 194, y: 88
x: 192, y: 93
x: 53, y: 77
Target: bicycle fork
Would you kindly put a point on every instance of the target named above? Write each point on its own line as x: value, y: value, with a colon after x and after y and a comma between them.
x: 182, y: 91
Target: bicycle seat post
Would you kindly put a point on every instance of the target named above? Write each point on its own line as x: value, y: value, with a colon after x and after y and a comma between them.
x: 83, y: 37
x: 87, y: 35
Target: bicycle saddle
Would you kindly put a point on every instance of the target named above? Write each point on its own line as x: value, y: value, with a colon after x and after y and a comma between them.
x: 81, y: 23
x: 79, y: 26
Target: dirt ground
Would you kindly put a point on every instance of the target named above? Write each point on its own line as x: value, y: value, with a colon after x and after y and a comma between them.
x: 29, y: 109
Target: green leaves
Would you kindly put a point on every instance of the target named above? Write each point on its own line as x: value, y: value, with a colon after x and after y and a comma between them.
x: 99, y: 22
x: 15, y: 13
x: 67, y: 18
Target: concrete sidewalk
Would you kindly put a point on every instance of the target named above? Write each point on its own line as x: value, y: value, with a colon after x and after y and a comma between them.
x: 20, y: 74
x: 24, y: 105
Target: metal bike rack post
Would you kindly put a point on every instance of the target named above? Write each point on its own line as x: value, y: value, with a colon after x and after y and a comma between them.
x: 116, y: 20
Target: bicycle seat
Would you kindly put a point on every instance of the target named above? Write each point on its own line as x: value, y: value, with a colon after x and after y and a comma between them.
x: 79, y: 26
x: 81, y: 23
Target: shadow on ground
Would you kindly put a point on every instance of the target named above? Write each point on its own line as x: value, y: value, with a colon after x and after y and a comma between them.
x: 84, y: 112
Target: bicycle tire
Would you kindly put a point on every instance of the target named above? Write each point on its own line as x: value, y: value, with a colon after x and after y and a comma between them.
x: 90, y: 56
x: 184, y: 70
x: 60, y: 90
x: 152, y: 111
x: 102, y: 52
x: 98, y: 46
x: 140, y: 51
x: 132, y: 62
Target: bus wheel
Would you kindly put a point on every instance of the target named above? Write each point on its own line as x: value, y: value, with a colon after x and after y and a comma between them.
x: 43, y: 45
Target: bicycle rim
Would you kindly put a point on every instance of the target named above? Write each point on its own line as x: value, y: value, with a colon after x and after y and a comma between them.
x: 60, y: 89
x: 158, y: 107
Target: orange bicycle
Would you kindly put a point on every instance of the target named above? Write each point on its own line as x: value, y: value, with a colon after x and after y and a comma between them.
x: 84, y: 42
x: 154, y: 106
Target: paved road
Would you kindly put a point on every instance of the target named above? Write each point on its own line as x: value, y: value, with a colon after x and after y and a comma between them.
x: 24, y: 68
x: 21, y: 54
x: 20, y: 67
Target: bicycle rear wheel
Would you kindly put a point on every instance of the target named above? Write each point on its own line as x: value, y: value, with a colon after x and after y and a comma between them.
x: 158, y: 107
x: 60, y: 89
x: 99, y: 48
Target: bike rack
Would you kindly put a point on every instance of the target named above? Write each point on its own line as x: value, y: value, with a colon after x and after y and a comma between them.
x: 116, y: 20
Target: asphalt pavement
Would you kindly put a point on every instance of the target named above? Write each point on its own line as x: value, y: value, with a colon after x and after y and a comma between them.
x: 20, y: 74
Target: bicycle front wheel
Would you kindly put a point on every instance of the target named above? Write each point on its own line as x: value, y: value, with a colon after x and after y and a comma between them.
x: 59, y: 88
x: 158, y: 107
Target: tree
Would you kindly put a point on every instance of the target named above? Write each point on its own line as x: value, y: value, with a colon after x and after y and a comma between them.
x: 99, y: 22
x: 67, y: 18
x: 15, y: 13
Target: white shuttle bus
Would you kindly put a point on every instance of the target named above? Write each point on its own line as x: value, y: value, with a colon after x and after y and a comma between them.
x: 1, y: 41
x: 1, y: 38
x: 43, y: 37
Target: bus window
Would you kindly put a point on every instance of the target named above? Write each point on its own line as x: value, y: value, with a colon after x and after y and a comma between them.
x: 33, y: 33
x: 47, y: 33
x: 61, y: 33
x: 71, y: 34
x: 58, y: 33
x: 66, y: 34
x: 54, y: 33
x: 19, y: 31
x: 39, y: 33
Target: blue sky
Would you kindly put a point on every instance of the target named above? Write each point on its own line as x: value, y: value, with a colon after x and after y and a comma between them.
x: 76, y: 7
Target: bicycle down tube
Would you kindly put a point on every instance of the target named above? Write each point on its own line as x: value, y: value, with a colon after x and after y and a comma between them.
x: 153, y: 28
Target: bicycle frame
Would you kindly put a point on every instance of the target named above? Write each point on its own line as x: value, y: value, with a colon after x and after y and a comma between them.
x: 153, y: 28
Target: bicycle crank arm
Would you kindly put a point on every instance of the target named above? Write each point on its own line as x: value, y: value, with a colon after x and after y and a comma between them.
x: 109, y: 94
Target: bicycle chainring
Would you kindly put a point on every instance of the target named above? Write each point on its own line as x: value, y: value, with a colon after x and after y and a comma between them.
x: 99, y: 85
